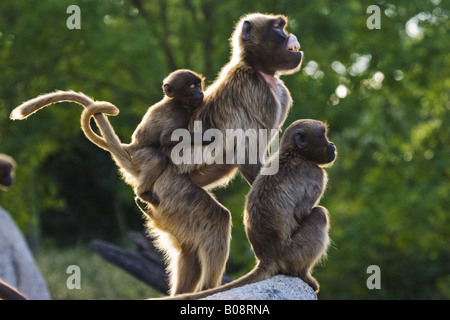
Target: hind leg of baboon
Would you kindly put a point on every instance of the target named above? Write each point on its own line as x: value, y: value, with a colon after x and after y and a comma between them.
x: 310, y: 243
x: 152, y: 162
x: 188, y: 273
x: 195, y: 220
x: 306, y: 276
x: 215, y: 251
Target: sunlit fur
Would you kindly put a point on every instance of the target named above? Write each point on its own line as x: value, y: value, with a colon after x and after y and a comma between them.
x: 287, y: 229
x: 242, y: 97
x: 198, y: 225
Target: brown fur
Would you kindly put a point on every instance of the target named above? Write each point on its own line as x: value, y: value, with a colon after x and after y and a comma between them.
x: 7, y: 168
x: 31, y: 106
x: 140, y: 161
x: 287, y: 230
x: 194, y: 229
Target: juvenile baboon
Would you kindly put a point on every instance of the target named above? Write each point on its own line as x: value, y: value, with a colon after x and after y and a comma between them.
x: 286, y: 228
x: 7, y: 167
x: 141, y: 161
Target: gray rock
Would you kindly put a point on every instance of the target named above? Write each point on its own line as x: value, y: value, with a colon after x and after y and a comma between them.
x: 276, y: 288
x: 17, y: 265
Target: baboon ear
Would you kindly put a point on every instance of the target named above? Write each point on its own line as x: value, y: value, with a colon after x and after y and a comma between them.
x: 300, y: 140
x: 246, y: 30
x: 168, y: 90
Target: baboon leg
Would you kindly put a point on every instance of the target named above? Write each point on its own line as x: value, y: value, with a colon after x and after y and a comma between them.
x: 188, y: 273
x: 307, y: 250
x: 312, y: 234
x: 152, y: 163
x: 194, y: 220
x: 312, y: 282
x: 215, y: 251
x: 305, y: 275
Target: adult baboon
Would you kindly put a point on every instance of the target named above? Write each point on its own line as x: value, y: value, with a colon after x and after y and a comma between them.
x: 192, y: 228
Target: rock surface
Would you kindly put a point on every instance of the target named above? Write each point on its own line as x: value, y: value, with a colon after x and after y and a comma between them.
x: 17, y: 265
x: 276, y: 288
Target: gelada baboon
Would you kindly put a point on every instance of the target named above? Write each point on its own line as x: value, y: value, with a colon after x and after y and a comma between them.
x: 192, y: 228
x: 140, y: 161
x: 7, y: 167
x: 286, y: 228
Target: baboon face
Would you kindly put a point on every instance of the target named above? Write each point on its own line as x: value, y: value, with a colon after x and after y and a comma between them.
x: 309, y: 139
x: 185, y: 86
x: 7, y: 166
x: 266, y: 45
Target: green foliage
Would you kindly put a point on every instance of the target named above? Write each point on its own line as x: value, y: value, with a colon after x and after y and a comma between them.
x: 384, y: 92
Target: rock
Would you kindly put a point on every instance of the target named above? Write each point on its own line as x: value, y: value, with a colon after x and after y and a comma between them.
x: 276, y: 288
x: 17, y: 265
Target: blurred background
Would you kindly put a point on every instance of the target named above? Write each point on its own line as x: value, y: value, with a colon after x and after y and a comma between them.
x: 384, y: 93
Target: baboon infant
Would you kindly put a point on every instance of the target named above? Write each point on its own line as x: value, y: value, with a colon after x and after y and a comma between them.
x: 143, y: 162
x: 287, y: 230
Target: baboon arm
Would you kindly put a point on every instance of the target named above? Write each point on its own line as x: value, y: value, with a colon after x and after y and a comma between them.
x: 165, y: 139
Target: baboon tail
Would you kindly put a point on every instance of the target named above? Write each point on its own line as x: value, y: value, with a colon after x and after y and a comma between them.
x: 256, y: 274
x: 109, y: 140
x: 31, y: 106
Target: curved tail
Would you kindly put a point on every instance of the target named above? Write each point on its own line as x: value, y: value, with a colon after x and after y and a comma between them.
x: 97, y: 109
x: 256, y: 274
x: 31, y: 106
x: 109, y: 140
